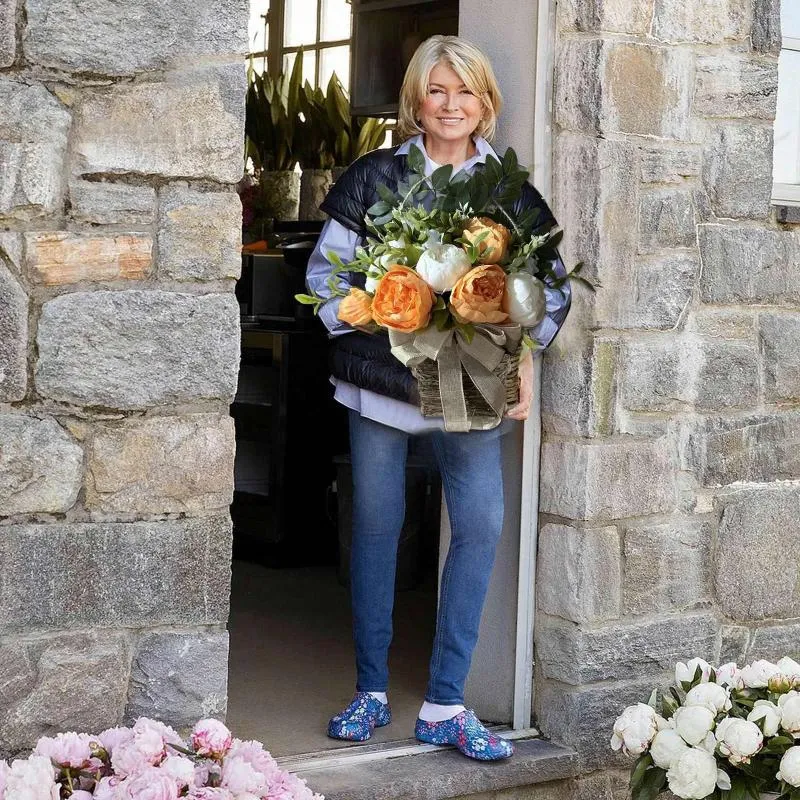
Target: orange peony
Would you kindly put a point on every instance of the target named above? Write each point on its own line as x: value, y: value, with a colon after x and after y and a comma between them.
x: 493, y: 246
x: 403, y: 301
x: 355, y: 309
x: 478, y: 296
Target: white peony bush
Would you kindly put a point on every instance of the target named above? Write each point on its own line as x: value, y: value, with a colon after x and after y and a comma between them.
x: 150, y: 761
x: 723, y: 732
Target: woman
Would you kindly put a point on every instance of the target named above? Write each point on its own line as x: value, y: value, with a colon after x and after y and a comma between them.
x: 449, y: 103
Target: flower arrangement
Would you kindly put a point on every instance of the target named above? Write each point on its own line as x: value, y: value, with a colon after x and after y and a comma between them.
x: 150, y: 761
x: 448, y: 257
x: 723, y: 733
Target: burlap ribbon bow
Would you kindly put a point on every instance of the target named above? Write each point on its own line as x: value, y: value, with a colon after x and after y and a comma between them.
x: 479, y: 358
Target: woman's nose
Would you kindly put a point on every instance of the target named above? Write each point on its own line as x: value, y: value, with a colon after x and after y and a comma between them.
x: 451, y: 102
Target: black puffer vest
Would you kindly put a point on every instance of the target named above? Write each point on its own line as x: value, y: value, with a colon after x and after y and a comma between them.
x: 362, y: 359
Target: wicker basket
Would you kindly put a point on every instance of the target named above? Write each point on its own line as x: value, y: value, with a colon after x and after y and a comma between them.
x: 430, y: 401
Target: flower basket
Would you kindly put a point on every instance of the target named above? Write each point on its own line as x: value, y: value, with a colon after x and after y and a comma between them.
x: 430, y: 397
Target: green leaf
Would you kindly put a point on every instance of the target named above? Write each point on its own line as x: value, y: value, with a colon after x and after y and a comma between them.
x: 640, y: 767
x: 416, y: 160
x: 653, y: 782
x: 440, y: 178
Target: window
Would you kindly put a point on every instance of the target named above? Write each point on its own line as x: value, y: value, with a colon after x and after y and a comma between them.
x: 786, y: 165
x: 279, y: 28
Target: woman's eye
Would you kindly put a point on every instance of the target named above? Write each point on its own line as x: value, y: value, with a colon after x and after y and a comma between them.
x: 466, y: 91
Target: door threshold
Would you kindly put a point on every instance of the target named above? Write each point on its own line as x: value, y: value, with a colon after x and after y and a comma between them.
x: 353, y: 754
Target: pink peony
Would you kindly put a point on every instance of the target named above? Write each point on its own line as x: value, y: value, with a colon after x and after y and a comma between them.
x: 288, y: 786
x: 67, y: 749
x: 150, y: 784
x: 145, y: 749
x: 3, y: 777
x: 254, y: 754
x: 239, y: 776
x: 33, y: 778
x: 209, y: 793
x: 113, y: 737
x: 211, y: 738
x: 180, y: 769
x: 106, y: 788
x: 167, y: 734
x: 81, y: 794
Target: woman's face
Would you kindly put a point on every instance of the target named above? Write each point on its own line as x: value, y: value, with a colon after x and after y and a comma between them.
x: 450, y: 112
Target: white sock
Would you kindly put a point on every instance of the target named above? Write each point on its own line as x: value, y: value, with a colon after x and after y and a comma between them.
x: 380, y: 696
x: 433, y: 712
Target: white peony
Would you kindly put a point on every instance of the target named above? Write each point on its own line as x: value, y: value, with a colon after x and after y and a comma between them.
x: 524, y: 299
x: 693, y: 723
x: 730, y: 675
x: 694, y: 775
x: 441, y: 265
x: 770, y: 713
x: 739, y: 740
x: 789, y: 769
x: 757, y: 674
x: 635, y: 729
x: 32, y: 778
x: 789, y: 705
x: 667, y: 748
x: 788, y: 676
x: 711, y: 695
x: 685, y: 672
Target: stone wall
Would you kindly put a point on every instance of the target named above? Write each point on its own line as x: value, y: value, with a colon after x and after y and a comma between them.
x: 670, y: 483
x: 120, y: 140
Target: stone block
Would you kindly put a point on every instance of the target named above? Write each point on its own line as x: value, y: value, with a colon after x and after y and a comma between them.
x: 59, y: 257
x: 737, y: 170
x: 608, y: 480
x: 734, y: 643
x: 660, y: 290
x: 105, y: 37
x: 179, y: 677
x: 758, y: 448
x: 107, y: 203
x: 150, y: 466
x: 579, y: 389
x: 766, y: 33
x: 789, y: 215
x: 666, y: 374
x: 11, y: 249
x: 75, y: 575
x: 13, y: 338
x: 667, y: 566
x: 757, y: 529
x: 749, y: 265
x: 579, y: 575
x: 73, y: 682
x: 577, y: 91
x: 135, y: 349
x: 734, y: 85
x: 41, y: 466
x: 669, y: 165
x: 190, y: 126
x: 780, y: 340
x: 617, y: 16
x: 199, y: 234
x: 554, y: 790
x: 8, y: 33
x: 598, y: 186
x: 719, y: 322
x: 33, y: 147
x: 583, y: 717
x: 773, y: 642
x: 577, y: 656
x: 701, y: 21
x: 666, y: 220
x: 646, y: 90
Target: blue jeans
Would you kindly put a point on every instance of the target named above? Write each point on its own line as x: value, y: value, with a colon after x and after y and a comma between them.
x: 471, y: 468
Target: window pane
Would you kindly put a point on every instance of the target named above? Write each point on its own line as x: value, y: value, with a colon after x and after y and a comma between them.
x: 335, y: 59
x: 786, y: 167
x: 300, y: 22
x: 256, y: 28
x: 335, y: 20
x: 309, y: 64
x: 790, y: 18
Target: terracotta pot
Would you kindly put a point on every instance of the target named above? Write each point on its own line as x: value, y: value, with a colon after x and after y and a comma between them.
x: 314, y: 186
x: 282, y: 193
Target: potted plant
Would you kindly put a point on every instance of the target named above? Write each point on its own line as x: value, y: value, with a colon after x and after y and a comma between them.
x: 271, y: 139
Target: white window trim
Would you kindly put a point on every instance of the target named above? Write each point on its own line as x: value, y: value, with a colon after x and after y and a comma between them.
x: 787, y: 194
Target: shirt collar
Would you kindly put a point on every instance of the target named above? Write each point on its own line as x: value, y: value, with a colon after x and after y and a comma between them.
x: 482, y: 147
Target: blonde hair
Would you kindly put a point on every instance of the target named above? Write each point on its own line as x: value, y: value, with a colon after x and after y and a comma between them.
x: 468, y: 62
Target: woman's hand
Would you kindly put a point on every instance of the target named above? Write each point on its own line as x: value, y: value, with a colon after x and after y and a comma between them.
x: 523, y: 407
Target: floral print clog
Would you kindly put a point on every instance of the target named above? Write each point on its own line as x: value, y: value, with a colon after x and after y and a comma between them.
x: 466, y: 732
x: 357, y: 722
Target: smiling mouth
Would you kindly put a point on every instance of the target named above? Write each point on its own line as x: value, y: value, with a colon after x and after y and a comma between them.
x: 451, y: 119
